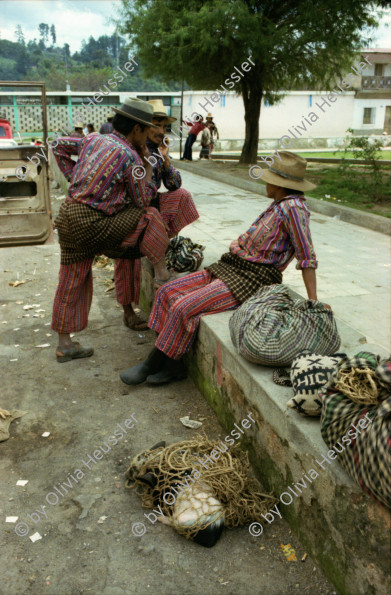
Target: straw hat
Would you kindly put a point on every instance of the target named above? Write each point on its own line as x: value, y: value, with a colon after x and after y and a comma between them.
x: 209, y: 116
x: 288, y: 173
x: 79, y: 125
x: 136, y: 109
x: 159, y: 110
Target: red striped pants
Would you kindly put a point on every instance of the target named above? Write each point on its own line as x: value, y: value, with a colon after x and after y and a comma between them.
x: 73, y: 298
x: 177, y: 209
x: 179, y: 305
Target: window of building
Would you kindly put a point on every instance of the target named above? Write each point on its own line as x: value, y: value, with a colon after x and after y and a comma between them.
x: 6, y: 100
x: 369, y: 115
x: 379, y: 69
x: 222, y: 100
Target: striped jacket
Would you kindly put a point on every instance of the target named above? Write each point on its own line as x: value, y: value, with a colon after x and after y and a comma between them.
x: 102, y: 178
x: 279, y: 234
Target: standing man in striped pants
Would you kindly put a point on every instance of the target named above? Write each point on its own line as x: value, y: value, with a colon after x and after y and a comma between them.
x: 106, y: 211
x: 176, y: 207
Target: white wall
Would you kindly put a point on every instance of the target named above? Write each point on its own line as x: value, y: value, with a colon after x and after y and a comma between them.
x: 276, y: 120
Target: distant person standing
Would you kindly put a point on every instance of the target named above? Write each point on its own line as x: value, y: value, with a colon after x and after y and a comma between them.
x: 213, y: 131
x: 194, y: 131
x: 78, y: 131
x: 107, y: 127
x: 205, y: 142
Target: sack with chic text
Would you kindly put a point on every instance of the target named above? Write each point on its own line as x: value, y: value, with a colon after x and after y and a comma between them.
x: 359, y: 394
x: 271, y: 328
x: 182, y: 255
x: 309, y: 373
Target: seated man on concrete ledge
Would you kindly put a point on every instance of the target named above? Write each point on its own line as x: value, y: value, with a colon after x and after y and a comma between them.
x: 106, y: 211
x: 176, y: 207
x: 257, y: 258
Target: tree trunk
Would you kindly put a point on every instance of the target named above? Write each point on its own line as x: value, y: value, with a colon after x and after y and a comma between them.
x: 252, y: 99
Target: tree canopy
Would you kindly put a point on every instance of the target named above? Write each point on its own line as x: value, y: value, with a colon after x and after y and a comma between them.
x: 293, y: 43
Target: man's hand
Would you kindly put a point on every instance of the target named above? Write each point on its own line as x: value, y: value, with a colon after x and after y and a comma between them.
x: 164, y: 152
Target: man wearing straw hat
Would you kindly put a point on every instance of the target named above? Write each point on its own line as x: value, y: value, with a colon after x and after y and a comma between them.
x: 107, y: 211
x: 176, y: 207
x: 257, y: 258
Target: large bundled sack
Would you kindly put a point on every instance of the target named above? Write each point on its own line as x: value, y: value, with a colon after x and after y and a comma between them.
x: 271, y: 328
x: 356, y: 417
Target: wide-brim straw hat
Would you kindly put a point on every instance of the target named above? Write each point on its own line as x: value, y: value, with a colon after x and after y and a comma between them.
x: 159, y: 110
x: 136, y: 109
x: 288, y: 173
x: 209, y: 116
x: 79, y: 125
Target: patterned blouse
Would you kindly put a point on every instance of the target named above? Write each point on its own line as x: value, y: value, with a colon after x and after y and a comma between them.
x: 102, y: 177
x: 170, y: 177
x: 278, y: 234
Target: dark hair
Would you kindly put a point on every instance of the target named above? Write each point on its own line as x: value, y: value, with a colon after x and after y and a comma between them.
x: 124, y: 125
x: 291, y: 191
x: 91, y: 126
x: 110, y: 118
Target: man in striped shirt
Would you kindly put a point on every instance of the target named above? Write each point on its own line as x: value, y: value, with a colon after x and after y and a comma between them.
x: 176, y: 207
x: 107, y: 211
x: 257, y: 258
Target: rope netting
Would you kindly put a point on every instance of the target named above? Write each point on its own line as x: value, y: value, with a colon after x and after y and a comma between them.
x: 180, y: 465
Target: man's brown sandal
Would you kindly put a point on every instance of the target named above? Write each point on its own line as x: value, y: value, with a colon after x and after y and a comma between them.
x: 136, y: 325
x: 66, y: 354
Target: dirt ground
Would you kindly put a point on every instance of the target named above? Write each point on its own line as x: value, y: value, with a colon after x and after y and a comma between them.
x: 87, y: 543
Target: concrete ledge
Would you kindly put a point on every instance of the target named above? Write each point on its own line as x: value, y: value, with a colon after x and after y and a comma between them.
x: 343, y: 529
x: 354, y: 216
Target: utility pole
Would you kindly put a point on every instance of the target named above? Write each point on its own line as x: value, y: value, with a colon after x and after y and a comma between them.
x: 180, y: 129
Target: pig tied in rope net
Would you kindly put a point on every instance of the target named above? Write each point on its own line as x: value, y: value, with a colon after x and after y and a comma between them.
x: 227, y: 479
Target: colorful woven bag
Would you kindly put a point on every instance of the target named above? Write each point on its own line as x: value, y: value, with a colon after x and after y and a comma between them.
x: 183, y: 255
x: 272, y: 328
x: 359, y: 391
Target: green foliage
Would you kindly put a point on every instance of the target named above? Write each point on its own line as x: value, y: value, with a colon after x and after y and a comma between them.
x: 85, y: 70
x: 364, y: 147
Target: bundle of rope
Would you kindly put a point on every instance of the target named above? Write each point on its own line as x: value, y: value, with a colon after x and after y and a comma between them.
x: 227, y: 479
x: 364, y: 379
x: 359, y: 384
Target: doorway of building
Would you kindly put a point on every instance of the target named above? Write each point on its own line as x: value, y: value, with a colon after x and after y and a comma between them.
x: 387, y: 120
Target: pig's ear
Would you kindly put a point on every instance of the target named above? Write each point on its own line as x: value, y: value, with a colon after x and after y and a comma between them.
x: 149, y: 479
x: 161, y: 444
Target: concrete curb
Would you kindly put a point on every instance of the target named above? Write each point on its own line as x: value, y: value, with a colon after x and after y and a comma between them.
x: 354, y: 216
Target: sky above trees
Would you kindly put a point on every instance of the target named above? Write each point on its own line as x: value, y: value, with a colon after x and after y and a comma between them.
x: 76, y: 20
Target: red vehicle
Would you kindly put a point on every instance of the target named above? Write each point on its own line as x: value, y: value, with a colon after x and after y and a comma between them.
x: 5, y: 129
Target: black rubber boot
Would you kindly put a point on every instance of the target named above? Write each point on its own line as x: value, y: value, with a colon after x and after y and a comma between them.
x: 173, y: 369
x: 138, y: 374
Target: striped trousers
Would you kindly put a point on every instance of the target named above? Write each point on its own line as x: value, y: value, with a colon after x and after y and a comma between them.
x: 177, y: 209
x: 179, y: 305
x: 73, y: 298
